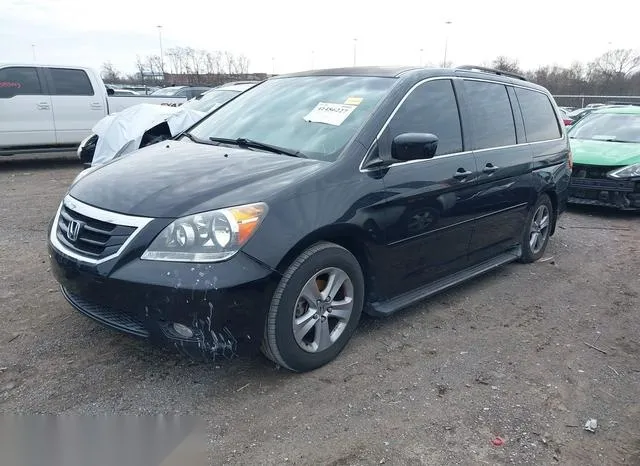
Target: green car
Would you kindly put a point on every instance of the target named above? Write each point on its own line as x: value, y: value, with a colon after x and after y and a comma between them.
x: 606, y: 158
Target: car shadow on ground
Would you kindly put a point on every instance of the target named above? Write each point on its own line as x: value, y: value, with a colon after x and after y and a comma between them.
x: 258, y: 367
x: 602, y: 211
x: 39, y: 162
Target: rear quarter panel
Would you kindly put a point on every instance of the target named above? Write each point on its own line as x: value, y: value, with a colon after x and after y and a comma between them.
x: 552, y: 172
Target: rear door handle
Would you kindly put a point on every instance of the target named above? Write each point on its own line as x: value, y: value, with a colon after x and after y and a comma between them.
x: 96, y: 106
x: 461, y: 174
x: 489, y: 168
x: 43, y: 106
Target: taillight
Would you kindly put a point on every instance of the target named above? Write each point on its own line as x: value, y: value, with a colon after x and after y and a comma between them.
x: 567, y: 121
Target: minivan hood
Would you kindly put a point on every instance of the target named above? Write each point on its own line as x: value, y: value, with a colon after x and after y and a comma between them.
x: 176, y: 178
x: 592, y: 152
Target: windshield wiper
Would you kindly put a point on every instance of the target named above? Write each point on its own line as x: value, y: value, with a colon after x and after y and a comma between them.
x: 244, y: 142
x: 194, y: 139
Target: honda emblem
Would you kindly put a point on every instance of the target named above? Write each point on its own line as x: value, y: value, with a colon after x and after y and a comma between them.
x: 73, y: 230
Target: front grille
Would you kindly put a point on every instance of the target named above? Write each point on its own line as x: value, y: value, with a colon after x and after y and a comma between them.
x: 604, y: 185
x: 115, y: 318
x: 592, y: 171
x: 594, y: 177
x: 95, y: 239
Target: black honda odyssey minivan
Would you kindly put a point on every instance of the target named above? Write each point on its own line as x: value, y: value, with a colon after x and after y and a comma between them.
x: 279, y: 218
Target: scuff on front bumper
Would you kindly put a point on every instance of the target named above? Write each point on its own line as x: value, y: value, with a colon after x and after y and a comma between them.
x: 224, y: 305
x: 205, y: 343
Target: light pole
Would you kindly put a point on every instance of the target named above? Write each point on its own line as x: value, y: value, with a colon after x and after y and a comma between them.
x: 421, y: 50
x: 313, y: 59
x: 33, y: 52
x: 355, y: 43
x: 446, y: 44
x: 161, y: 52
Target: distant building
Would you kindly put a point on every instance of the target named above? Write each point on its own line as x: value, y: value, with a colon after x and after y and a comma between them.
x: 152, y: 75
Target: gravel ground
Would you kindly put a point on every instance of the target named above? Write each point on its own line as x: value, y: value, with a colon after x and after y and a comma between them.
x: 505, y: 356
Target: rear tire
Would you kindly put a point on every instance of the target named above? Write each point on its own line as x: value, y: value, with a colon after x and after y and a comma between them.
x: 315, y: 308
x: 537, y: 230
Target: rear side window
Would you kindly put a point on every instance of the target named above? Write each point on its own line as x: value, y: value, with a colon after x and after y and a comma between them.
x: 540, y: 120
x: 490, y: 111
x: 431, y: 108
x: 19, y: 80
x: 70, y: 82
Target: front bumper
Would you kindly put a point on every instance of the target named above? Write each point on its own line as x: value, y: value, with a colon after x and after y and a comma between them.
x: 223, y: 304
x: 622, y: 194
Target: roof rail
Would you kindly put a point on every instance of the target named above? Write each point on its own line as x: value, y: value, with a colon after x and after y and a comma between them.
x: 491, y: 70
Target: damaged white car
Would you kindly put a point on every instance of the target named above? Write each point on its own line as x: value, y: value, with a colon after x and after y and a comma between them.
x: 145, y: 124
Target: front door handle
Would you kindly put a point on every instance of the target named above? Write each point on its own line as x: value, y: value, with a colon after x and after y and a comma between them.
x: 461, y: 174
x: 43, y: 106
x: 489, y: 168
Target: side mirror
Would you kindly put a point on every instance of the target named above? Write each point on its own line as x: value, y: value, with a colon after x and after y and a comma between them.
x: 414, y: 146
x: 110, y: 91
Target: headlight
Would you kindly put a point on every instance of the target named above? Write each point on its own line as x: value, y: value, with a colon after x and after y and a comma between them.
x: 630, y: 171
x: 207, y: 237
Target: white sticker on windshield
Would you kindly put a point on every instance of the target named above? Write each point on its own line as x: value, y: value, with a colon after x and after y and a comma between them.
x: 330, y: 114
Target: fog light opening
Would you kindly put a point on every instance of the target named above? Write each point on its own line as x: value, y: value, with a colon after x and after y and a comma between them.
x: 182, y: 330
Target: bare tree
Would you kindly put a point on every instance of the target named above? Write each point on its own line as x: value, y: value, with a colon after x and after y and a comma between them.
x: 213, y: 60
x: 616, y: 63
x: 109, y: 72
x: 507, y: 64
x: 177, y: 58
x: 150, y: 64
x: 155, y: 66
x: 140, y: 67
x: 230, y: 63
x: 199, y: 59
x: 609, y: 72
x: 242, y: 63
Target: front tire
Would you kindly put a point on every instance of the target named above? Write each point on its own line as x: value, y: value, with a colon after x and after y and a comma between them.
x: 315, y: 308
x: 537, y: 230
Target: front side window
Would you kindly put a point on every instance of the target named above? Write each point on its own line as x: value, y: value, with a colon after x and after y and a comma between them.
x: 431, y: 108
x: 313, y: 115
x: 540, y: 121
x: 19, y: 80
x: 70, y: 82
x: 491, y: 114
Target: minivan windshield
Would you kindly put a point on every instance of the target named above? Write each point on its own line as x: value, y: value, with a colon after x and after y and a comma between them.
x: 614, y: 127
x: 210, y: 100
x: 312, y: 115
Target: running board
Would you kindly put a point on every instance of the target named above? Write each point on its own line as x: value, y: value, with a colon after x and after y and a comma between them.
x: 402, y: 301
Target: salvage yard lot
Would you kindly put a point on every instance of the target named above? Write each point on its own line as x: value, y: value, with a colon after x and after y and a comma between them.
x: 504, y: 355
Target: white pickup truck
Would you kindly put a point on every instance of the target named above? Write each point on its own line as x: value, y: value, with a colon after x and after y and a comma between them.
x: 53, y: 108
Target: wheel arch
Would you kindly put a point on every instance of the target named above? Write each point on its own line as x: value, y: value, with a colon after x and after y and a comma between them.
x: 348, y: 236
x: 553, y: 197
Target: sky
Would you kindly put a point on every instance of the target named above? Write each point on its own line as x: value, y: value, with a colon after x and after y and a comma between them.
x: 280, y: 36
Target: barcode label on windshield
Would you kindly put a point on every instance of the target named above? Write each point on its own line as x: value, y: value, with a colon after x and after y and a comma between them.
x: 330, y: 114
